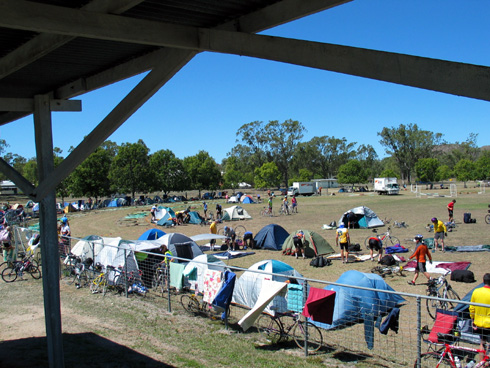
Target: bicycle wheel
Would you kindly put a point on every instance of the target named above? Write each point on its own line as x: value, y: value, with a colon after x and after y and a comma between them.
x: 433, y: 305
x: 240, y: 230
x: 270, y: 328
x: 221, y: 231
x: 391, y: 241
x: 97, y: 284
x: 487, y: 219
x: 451, y: 294
x: 34, y: 272
x: 9, y: 274
x: 190, y: 304
x: 82, y: 279
x: 430, y: 360
x: 314, y: 340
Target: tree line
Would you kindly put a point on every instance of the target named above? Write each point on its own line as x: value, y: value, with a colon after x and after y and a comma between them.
x: 267, y: 155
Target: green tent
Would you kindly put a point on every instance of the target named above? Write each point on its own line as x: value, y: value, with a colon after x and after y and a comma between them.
x: 315, y: 244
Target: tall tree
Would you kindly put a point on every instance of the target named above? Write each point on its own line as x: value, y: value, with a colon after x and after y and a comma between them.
x: 408, y: 144
x: 366, y: 154
x: 267, y: 176
x: 482, y: 166
x: 426, y: 169
x: 352, y: 172
x: 30, y: 171
x: 90, y: 177
x: 129, y: 170
x: 167, y: 172
x: 465, y: 171
x: 202, y: 171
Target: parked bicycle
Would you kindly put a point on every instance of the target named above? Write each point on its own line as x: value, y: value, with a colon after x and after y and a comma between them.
x: 386, y: 238
x: 441, y: 289
x: 267, y: 212
x: 388, y: 271
x: 487, y: 216
x: 192, y: 305
x: 239, y: 230
x: 289, y: 325
x: 452, y: 355
x: 17, y: 269
x: 285, y: 209
x: 160, y: 278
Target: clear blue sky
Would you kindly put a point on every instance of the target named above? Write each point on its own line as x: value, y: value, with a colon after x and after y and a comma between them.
x: 203, y: 106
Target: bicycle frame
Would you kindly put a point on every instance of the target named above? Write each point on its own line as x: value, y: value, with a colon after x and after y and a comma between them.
x: 447, y: 353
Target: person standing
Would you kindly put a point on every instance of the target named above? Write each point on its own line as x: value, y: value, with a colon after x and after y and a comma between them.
x: 294, y: 204
x: 219, y: 212
x: 205, y: 210
x: 269, y: 202
x: 8, y: 249
x: 299, y: 245
x: 481, y: 315
x: 65, y: 233
x: 450, y: 210
x: 153, y: 212
x: 440, y: 231
x: 421, y: 254
x: 343, y: 239
x: 213, y: 230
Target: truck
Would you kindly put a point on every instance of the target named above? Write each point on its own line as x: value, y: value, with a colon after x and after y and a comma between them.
x: 386, y: 186
x: 306, y: 188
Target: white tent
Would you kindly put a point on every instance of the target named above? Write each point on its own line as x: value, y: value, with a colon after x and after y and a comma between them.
x: 364, y: 218
x: 233, y: 199
x: 117, y: 253
x: 235, y: 213
x: 248, y: 286
x: 90, y: 246
x: 197, y: 268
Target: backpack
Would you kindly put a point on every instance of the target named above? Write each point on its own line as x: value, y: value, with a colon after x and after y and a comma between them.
x: 354, y: 247
x: 388, y: 260
x: 320, y: 262
x: 463, y: 276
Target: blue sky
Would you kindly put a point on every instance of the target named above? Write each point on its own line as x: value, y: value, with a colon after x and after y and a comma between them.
x: 203, y: 106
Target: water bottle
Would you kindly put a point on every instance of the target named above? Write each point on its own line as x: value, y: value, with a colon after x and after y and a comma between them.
x: 471, y: 364
x: 457, y: 362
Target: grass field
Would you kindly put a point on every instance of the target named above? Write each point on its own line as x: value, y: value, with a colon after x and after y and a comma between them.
x: 146, y: 335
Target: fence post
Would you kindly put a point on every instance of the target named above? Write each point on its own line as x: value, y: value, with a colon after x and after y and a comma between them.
x: 126, y: 279
x: 305, y: 296
x: 167, y: 270
x: 419, y: 333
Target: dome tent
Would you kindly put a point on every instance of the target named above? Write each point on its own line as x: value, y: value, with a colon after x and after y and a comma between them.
x: 271, y: 237
x: 364, y: 218
x: 151, y: 234
x: 180, y: 245
x: 248, y: 286
x: 315, y: 244
x: 235, y: 213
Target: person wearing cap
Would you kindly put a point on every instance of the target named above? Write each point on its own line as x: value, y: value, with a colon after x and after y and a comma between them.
x: 205, y: 210
x: 65, y: 233
x: 421, y: 253
x: 440, y: 231
x: 343, y: 239
x: 298, y: 244
x: 213, y: 230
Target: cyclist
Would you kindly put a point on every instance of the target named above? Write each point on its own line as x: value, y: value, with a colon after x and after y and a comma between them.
x: 481, y: 315
x: 298, y: 244
x: 375, y: 244
x: 344, y: 239
x: 440, y: 231
x: 269, y: 202
x: 285, y: 205
x: 421, y: 253
x: 230, y: 235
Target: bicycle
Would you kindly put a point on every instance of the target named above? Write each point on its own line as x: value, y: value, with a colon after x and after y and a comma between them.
x: 267, y: 212
x: 239, y: 231
x: 192, y: 305
x: 487, y: 216
x: 388, y: 271
x: 10, y: 274
x: 285, y: 210
x: 160, y: 278
x: 386, y: 238
x: 441, y: 289
x: 447, y: 357
x: 276, y: 329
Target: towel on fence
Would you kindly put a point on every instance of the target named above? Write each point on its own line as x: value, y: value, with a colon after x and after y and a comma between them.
x: 295, y: 297
x: 190, y: 273
x: 391, y: 322
x: 176, y: 273
x: 222, y: 300
x: 268, y: 291
x: 212, y: 284
x: 320, y: 305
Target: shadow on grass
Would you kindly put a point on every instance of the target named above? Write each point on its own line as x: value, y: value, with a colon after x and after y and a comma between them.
x: 80, y: 350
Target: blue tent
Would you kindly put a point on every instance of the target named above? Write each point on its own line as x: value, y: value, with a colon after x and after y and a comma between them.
x: 271, y: 237
x: 356, y: 305
x: 167, y: 215
x: 113, y: 203
x: 194, y: 218
x: 151, y: 234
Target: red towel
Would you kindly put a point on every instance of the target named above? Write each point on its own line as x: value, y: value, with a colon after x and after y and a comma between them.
x: 320, y: 305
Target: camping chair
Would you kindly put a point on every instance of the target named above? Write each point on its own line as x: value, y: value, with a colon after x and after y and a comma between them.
x: 443, y: 331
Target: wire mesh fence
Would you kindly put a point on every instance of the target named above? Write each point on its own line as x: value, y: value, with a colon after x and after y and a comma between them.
x: 364, y: 316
